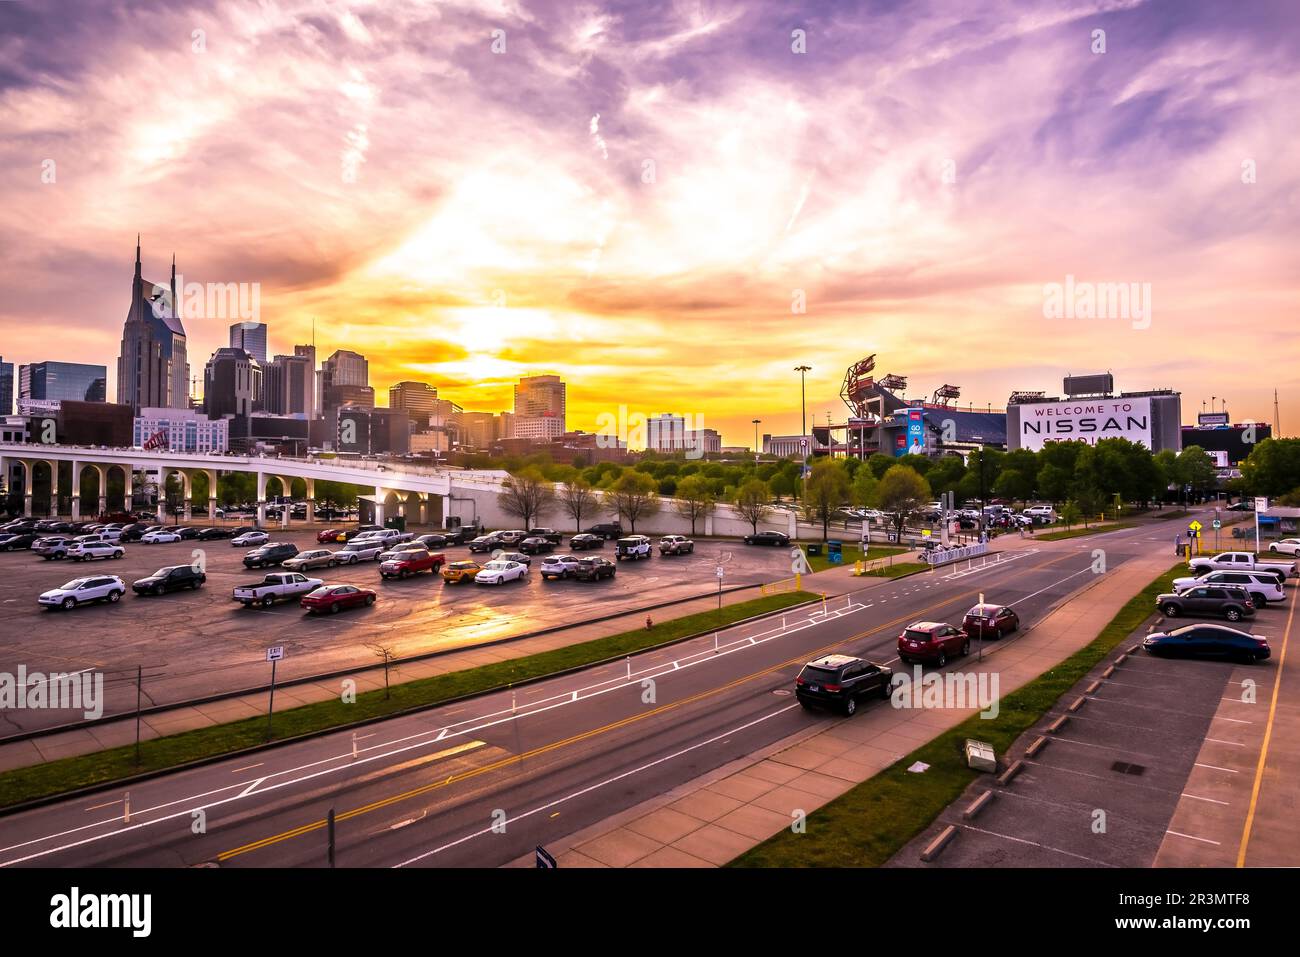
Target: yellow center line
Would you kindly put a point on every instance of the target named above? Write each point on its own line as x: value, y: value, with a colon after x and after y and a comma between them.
x: 586, y: 735
x: 1268, y: 735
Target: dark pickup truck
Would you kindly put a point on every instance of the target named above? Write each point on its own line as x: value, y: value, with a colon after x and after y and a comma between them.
x: 272, y: 553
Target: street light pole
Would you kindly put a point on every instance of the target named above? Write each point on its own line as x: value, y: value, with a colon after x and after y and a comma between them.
x: 756, y: 423
x: 803, y: 399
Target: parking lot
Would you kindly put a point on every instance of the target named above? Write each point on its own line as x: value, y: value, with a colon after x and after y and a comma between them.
x: 1156, y: 767
x: 195, y: 643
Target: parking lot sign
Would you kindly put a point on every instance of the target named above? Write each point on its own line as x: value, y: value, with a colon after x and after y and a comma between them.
x: 275, y: 653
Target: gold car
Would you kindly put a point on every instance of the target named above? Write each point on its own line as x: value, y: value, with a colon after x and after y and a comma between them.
x: 459, y: 571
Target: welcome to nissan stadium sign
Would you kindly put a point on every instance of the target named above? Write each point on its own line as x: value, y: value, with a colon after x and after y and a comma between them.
x: 1085, y: 420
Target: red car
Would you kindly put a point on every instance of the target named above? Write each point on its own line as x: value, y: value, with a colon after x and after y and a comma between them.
x: 332, y: 598
x: 932, y: 642
x: 412, y: 563
x: 990, y: 621
x: 329, y: 535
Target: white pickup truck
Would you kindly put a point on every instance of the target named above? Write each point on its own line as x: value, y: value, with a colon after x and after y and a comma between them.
x: 1242, y: 562
x: 273, y: 587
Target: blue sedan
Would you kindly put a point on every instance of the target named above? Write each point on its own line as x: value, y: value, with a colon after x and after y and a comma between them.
x: 1207, y: 641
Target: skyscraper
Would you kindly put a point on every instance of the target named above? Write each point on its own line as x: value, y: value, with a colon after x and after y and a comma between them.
x: 251, y: 337
x: 232, y: 384
x: 6, y: 387
x: 290, y: 386
x: 416, y: 399
x: 309, y: 353
x: 345, y: 380
x: 540, y: 395
x: 152, y: 369
x: 75, y: 381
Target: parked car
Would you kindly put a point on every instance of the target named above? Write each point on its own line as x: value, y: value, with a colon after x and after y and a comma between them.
x: 84, y: 591
x: 1262, y: 587
x: 165, y: 536
x: 311, y: 559
x: 18, y: 540
x: 512, y: 537
x: 486, y: 543
x: 519, y: 557
x: 52, y: 547
x: 840, y: 682
x: 406, y: 564
x: 1230, y: 602
x: 1286, y: 546
x: 332, y: 598
x: 558, y: 566
x: 1245, y: 505
x: 133, y: 532
x: 397, y: 550
x: 250, y: 538
x: 389, y: 536
x: 273, y: 587
x: 212, y: 534
x: 432, y: 541
x: 89, y: 551
x: 1207, y: 641
x: 463, y: 534
x: 1241, y: 561
x: 272, y: 553
x: 606, y: 530
x: 536, y: 545
x: 498, y: 572
x: 990, y: 621
x: 767, y: 538
x: 457, y: 572
x: 188, y: 532
x: 550, y: 534
x: 359, y: 551
x: 676, y: 545
x: 635, y: 547
x: 169, y: 578
x: 586, y: 540
x: 329, y: 536
x: 931, y: 642
x: 594, y: 569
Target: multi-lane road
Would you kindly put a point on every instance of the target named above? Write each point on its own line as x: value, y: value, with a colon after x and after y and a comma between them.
x: 481, y: 782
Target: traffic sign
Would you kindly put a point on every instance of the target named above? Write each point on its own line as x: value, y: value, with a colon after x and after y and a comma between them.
x: 1195, y: 526
x: 545, y: 860
x: 721, y: 571
x: 275, y: 653
x: 1218, y: 524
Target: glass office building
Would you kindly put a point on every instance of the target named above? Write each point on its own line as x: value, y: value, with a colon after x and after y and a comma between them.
x: 74, y: 381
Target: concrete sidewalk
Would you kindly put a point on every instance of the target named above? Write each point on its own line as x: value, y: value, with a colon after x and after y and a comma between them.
x: 715, y: 818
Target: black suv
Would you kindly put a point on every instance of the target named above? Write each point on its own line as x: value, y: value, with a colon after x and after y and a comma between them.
x: 172, y: 578
x: 607, y: 530
x: 272, y: 553
x: 536, y: 545
x: 210, y: 534
x: 1231, y: 602
x: 464, y: 534
x: 550, y: 534
x: 134, y: 532
x: 839, y: 681
x: 594, y: 569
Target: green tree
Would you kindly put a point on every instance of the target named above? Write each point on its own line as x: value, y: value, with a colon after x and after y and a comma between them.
x: 1013, y: 485
x: 634, y: 497
x: 695, y: 499
x: 1273, y: 467
x: 752, y: 500
x: 1070, y: 513
x: 902, y: 491
x: 526, y: 495
x: 826, y: 489
x: 865, y: 489
x: 880, y: 463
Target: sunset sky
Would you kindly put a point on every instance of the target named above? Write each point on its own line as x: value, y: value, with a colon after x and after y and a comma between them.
x: 633, y: 195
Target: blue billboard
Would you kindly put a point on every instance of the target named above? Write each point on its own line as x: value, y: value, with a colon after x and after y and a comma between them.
x: 914, y: 441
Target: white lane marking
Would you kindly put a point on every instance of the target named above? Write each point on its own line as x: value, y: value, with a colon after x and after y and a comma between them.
x: 1193, y: 797
x: 1234, y: 744
x: 1214, y: 767
x: 593, y: 787
x: 1191, y: 837
x: 251, y: 788
x: 1045, y: 847
x: 247, y: 767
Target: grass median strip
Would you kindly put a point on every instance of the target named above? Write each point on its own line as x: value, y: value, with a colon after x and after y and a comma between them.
x: 851, y: 554
x: 867, y: 825
x: 1078, y: 532
x: 101, y: 767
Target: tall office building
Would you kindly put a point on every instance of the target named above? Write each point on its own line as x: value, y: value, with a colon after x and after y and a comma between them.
x: 152, y: 368
x: 540, y: 395
x: 416, y: 399
x: 6, y: 387
x: 345, y: 380
x: 289, y: 386
x: 74, y: 381
x: 232, y: 384
x: 251, y: 337
x: 308, y: 352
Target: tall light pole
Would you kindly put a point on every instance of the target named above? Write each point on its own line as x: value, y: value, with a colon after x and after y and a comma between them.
x: 756, y: 423
x: 803, y: 400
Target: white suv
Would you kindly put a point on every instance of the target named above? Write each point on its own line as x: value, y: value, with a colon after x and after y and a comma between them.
x: 1262, y: 586
x: 89, y: 551
x: 83, y: 591
x: 559, y: 566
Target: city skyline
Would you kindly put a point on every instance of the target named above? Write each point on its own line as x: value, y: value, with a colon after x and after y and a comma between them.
x: 511, y: 236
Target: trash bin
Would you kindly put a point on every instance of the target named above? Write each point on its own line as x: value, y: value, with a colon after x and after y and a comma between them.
x: 814, y: 549
x: 397, y: 521
x: 835, y: 551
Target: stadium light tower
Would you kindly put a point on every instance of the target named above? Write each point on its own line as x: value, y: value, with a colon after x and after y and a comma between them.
x: 803, y: 402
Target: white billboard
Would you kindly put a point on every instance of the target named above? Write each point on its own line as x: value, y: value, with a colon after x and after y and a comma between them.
x: 1085, y: 420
